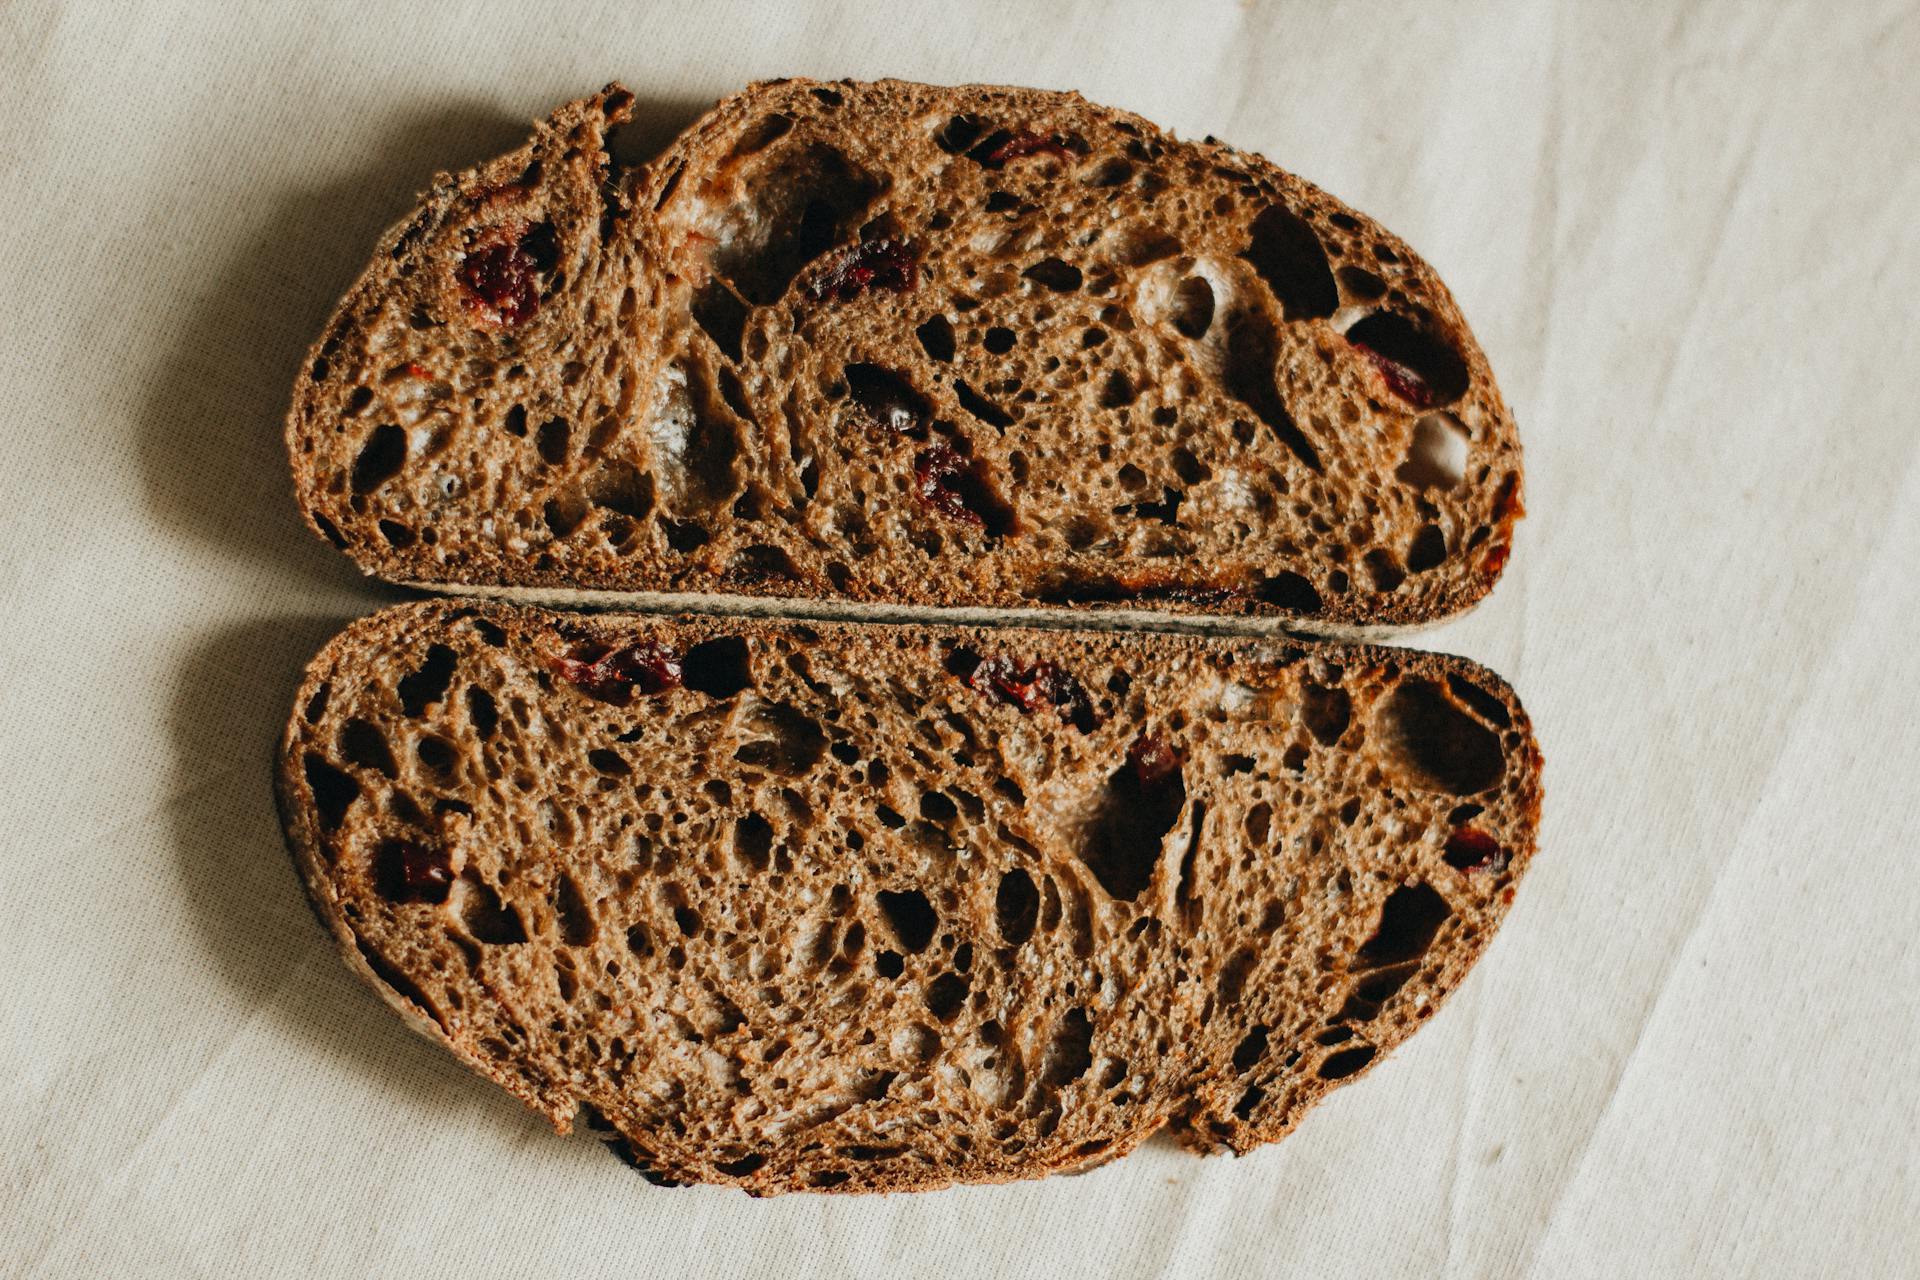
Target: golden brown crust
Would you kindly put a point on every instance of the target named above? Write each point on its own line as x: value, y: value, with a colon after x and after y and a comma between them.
x: 831, y: 913
x: 1171, y: 375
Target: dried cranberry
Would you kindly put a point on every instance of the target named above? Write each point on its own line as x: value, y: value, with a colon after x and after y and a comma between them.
x: 1027, y: 144
x: 885, y: 263
x: 1497, y: 558
x: 614, y: 675
x: 1470, y: 849
x: 501, y: 275
x: 955, y: 488
x: 1402, y: 380
x: 1041, y: 684
x: 1153, y: 761
x: 407, y: 871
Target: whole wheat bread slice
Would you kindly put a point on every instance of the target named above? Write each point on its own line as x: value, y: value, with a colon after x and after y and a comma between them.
x: 899, y: 343
x: 873, y: 908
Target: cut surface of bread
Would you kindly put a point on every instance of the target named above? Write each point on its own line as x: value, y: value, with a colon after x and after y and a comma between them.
x: 794, y: 906
x: 899, y: 343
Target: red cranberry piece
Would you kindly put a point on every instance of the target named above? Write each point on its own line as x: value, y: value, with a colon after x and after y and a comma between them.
x: 1153, y: 761
x: 1041, y: 684
x: 501, y: 275
x: 615, y: 675
x: 407, y: 871
x: 1027, y: 144
x: 886, y: 263
x: 1403, y: 381
x: 954, y: 487
x: 1470, y: 849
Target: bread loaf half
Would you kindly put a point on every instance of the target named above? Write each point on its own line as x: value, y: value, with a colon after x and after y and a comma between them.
x: 899, y: 343
x: 872, y: 908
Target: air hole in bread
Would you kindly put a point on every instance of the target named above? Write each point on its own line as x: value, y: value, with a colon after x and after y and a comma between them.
x: 762, y: 562
x: 1479, y: 701
x: 1059, y: 276
x: 1253, y: 346
x: 329, y: 531
x: 1135, y: 810
x: 889, y: 964
x: 621, y: 487
x: 357, y: 401
x: 1288, y: 255
x: 886, y: 401
x: 482, y: 712
x: 980, y: 407
x: 428, y: 683
x: 719, y: 668
x: 609, y: 763
x: 1071, y: 1051
x: 685, y: 535
x: 1428, y: 550
x: 998, y: 339
x: 1192, y: 311
x: 959, y: 133
x: 945, y: 995
x: 1426, y: 738
x: 1326, y: 710
x: 436, y: 753
x: 1113, y: 171
x: 484, y: 916
x: 1234, y: 974
x: 798, y: 204
x: 936, y: 338
x: 1016, y: 907
x: 1289, y: 591
x: 515, y: 423
x: 551, y: 441
x: 1436, y: 455
x: 753, y: 842
x: 380, y: 458
x: 721, y: 315
x: 790, y: 744
x: 761, y: 134
x: 1117, y: 391
x: 1384, y: 571
x: 398, y: 536
x: 1339, y: 1066
x: 565, y: 511
x: 1409, y: 919
x: 333, y: 790
x: 575, y: 919
x: 1140, y: 244
x: 1358, y: 285
x: 910, y: 916
x: 363, y: 744
x: 1252, y: 1047
x: 1418, y: 365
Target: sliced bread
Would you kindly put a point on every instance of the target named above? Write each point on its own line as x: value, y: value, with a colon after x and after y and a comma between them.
x: 794, y: 906
x: 899, y: 343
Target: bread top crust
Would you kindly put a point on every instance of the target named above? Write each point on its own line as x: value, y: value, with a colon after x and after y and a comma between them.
x: 835, y: 907
x: 899, y: 343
